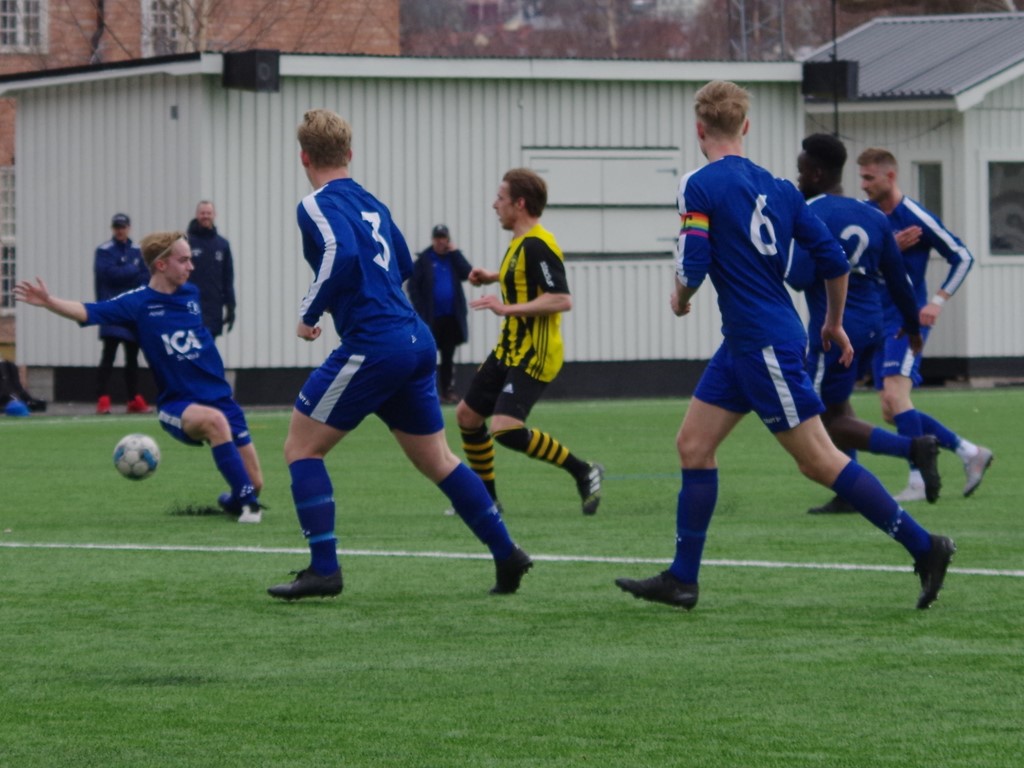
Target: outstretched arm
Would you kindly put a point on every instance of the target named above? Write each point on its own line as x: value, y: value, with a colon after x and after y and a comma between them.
x: 38, y: 295
x: 541, y: 306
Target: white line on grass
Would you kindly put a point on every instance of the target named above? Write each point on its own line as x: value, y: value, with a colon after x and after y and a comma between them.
x: 478, y: 556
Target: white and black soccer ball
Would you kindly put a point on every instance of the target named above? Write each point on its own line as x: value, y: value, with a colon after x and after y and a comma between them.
x: 137, y: 456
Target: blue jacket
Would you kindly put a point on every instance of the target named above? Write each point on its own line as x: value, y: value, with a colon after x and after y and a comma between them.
x: 213, y: 274
x: 421, y: 288
x: 117, y: 268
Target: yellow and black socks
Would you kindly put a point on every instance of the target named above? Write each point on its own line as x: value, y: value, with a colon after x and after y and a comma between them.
x: 542, y: 446
x: 479, y: 449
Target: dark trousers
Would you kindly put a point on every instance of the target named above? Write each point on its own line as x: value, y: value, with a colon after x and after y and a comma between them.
x: 131, y: 367
x: 447, y: 336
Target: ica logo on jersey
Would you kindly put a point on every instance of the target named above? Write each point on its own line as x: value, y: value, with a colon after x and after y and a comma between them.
x: 181, y: 343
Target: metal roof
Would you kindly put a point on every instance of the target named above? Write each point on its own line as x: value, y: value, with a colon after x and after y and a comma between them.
x: 929, y: 56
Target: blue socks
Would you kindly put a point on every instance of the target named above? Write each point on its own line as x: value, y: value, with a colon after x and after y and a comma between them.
x: 947, y: 438
x: 314, y: 504
x: 229, y: 462
x: 884, y: 442
x: 474, y: 505
x: 861, y: 489
x: 697, y: 499
x: 909, y: 424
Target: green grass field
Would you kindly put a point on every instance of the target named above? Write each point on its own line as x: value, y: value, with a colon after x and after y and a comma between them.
x: 133, y: 636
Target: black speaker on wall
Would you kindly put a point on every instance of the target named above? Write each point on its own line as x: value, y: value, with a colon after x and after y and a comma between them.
x: 826, y: 79
x: 257, y: 70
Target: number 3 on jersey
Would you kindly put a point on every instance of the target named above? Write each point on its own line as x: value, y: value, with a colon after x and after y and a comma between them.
x: 373, y: 219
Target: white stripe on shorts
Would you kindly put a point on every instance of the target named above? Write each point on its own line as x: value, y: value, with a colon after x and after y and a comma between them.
x: 907, y: 363
x: 337, y: 387
x: 819, y: 372
x: 781, y: 388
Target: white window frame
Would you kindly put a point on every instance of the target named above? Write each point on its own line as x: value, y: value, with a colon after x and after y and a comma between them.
x: 8, y: 239
x: 161, y: 15
x: 986, y: 219
x: 22, y: 12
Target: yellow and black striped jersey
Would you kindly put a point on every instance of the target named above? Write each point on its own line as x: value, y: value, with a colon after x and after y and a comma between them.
x: 533, y: 264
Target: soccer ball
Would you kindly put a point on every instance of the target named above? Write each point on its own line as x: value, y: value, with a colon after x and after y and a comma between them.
x: 137, y: 456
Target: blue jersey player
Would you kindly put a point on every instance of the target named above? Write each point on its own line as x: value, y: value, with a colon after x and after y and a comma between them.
x: 384, y: 366
x: 194, y: 403
x: 738, y: 223
x: 876, y: 270
x: 896, y: 371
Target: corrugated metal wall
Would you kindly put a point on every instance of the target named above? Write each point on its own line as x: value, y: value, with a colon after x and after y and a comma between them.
x: 994, y: 131
x: 83, y: 153
x: 434, y: 150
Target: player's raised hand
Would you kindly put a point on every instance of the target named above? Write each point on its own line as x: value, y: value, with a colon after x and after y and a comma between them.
x: 909, y: 237
x: 36, y: 294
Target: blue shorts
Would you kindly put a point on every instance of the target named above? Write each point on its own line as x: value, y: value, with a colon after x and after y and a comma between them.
x: 894, y: 358
x: 833, y: 381
x: 170, y: 419
x: 400, y: 388
x: 771, y: 382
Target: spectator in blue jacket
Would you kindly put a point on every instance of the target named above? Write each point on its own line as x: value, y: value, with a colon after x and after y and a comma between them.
x: 214, y: 270
x: 435, y: 290
x: 118, y: 267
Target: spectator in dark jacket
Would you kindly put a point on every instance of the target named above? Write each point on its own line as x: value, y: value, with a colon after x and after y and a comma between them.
x: 118, y: 267
x: 213, y: 270
x: 435, y: 289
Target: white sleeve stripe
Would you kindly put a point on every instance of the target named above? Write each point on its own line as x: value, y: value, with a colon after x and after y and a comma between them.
x: 959, y: 274
x: 681, y: 238
x: 330, y: 249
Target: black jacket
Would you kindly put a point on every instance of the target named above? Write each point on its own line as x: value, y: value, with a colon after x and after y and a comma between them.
x: 213, y: 274
x: 421, y: 288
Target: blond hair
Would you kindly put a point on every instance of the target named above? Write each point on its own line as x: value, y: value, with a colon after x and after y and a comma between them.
x: 877, y: 156
x: 157, y: 245
x: 326, y: 138
x: 721, y: 107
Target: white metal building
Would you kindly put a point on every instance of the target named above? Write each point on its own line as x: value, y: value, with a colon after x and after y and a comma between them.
x: 945, y: 94
x: 432, y: 139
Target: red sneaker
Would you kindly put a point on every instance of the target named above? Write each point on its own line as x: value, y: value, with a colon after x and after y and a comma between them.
x: 138, y: 405
x: 103, y: 405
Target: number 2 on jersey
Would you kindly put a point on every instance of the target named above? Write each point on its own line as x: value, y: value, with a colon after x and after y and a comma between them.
x: 373, y: 219
x: 854, y: 232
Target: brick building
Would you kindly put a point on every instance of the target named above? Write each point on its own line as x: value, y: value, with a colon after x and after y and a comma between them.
x: 38, y: 35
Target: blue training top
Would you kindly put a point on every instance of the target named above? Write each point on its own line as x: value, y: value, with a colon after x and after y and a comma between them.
x: 738, y: 226
x: 178, y: 347
x: 360, y: 259
x: 876, y: 269
x: 935, y: 236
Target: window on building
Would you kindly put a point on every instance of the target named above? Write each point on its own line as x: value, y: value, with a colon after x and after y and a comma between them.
x: 929, y: 186
x: 1006, y: 208
x: 22, y: 26
x: 161, y: 27
x: 7, y: 240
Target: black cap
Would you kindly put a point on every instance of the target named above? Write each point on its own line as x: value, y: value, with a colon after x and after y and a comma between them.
x: 120, y: 220
x: 440, y: 231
